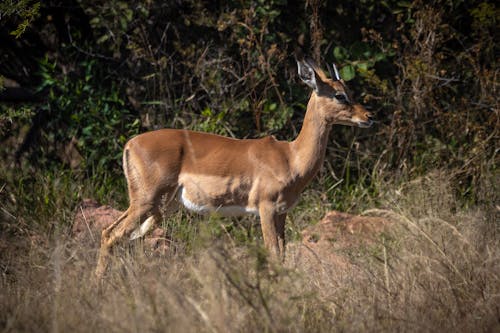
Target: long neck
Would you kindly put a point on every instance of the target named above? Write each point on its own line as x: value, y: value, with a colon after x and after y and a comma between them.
x: 309, y: 147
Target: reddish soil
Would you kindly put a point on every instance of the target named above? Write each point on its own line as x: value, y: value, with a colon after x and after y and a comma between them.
x: 91, y: 218
x: 327, y: 244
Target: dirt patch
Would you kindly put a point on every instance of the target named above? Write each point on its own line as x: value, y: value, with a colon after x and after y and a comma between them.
x: 344, y: 230
x: 91, y: 218
x: 327, y: 244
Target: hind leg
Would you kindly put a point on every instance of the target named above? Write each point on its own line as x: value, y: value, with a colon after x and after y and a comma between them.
x: 170, y: 207
x: 139, y: 218
x: 121, y: 228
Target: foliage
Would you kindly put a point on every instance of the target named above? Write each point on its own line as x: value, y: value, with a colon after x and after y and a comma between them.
x: 26, y: 10
x: 88, y: 111
x: 361, y: 58
x: 121, y: 67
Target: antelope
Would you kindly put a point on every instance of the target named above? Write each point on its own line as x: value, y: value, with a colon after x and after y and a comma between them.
x: 209, y: 173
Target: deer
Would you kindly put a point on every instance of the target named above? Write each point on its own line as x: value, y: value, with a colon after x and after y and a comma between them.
x: 208, y: 173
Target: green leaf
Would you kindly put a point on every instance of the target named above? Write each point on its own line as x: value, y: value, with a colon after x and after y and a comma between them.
x: 340, y: 53
x: 379, y: 57
x: 206, y: 112
x: 363, y: 66
x: 94, y: 22
x: 136, y: 123
x: 347, y: 72
x: 102, y: 39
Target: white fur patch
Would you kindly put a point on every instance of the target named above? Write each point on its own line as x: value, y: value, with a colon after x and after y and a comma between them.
x: 143, y: 228
x: 232, y: 210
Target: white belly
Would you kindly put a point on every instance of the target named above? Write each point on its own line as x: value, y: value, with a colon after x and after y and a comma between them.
x: 202, y: 208
x: 219, y: 195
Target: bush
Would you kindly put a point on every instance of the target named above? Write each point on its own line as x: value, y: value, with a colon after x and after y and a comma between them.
x: 85, y: 115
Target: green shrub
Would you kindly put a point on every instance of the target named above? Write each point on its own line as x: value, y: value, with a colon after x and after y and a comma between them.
x: 91, y: 111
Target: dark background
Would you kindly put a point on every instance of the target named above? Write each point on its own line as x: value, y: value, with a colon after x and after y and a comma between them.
x: 81, y: 77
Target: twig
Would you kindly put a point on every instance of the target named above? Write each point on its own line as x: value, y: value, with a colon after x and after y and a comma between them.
x: 86, y: 223
x: 79, y: 49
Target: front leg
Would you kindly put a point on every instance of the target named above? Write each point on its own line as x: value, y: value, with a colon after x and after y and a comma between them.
x: 279, y: 222
x: 273, y: 230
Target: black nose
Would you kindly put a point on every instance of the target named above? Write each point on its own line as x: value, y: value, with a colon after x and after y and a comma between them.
x: 371, y: 116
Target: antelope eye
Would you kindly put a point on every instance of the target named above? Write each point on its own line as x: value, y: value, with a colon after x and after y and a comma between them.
x: 342, y: 98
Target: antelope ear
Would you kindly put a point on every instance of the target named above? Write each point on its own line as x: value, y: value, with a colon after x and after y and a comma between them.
x: 307, y: 74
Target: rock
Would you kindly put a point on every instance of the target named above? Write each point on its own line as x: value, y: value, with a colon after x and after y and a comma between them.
x: 326, y: 245
x: 91, y: 218
x: 344, y: 230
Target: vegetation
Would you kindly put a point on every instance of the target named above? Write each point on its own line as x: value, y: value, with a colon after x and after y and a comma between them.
x: 80, y: 77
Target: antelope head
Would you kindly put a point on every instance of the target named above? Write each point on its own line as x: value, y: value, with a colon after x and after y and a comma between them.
x: 332, y: 96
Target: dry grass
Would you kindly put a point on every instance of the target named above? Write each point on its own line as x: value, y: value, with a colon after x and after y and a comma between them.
x: 436, y: 270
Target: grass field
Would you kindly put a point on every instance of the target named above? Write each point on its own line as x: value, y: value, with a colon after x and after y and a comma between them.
x: 436, y: 269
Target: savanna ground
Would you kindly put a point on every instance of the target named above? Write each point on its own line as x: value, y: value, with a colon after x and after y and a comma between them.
x: 435, y: 269
x: 83, y: 77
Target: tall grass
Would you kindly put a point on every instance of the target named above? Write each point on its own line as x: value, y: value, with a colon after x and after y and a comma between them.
x: 436, y: 269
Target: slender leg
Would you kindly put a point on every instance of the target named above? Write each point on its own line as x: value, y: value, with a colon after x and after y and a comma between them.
x: 134, y: 223
x: 170, y: 207
x: 114, y: 224
x: 119, y: 229
x: 269, y: 232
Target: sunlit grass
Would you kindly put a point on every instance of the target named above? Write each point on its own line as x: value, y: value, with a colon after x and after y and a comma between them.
x: 436, y: 269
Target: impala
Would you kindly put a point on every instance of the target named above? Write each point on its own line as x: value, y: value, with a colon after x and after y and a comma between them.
x: 209, y: 173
